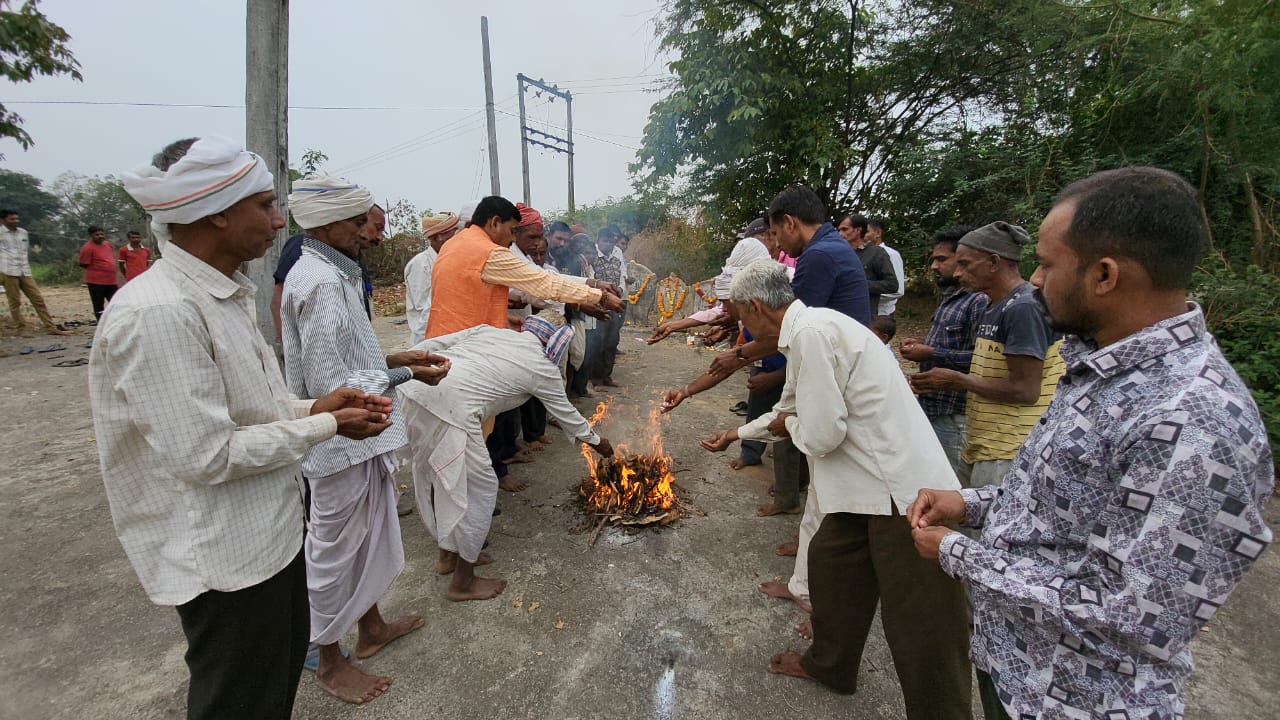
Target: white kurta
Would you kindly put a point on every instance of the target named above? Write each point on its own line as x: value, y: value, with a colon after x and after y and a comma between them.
x: 493, y: 370
x: 417, y: 293
x: 354, y: 551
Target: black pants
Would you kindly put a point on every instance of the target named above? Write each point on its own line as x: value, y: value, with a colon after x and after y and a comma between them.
x: 857, y: 562
x: 245, y: 648
x: 611, y: 333
x: 758, y: 403
x: 501, y: 443
x: 790, y: 473
x: 533, y: 419
x: 992, y: 708
x: 99, y: 295
x: 590, y: 359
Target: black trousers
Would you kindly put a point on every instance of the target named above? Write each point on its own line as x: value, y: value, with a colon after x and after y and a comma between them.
x: 790, y: 473
x: 501, y: 443
x: 857, y: 562
x: 992, y: 708
x: 611, y: 333
x: 758, y: 403
x: 99, y: 295
x: 245, y: 648
x: 533, y: 419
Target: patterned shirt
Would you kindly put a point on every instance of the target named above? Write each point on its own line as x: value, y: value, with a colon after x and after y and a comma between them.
x: 326, y: 337
x: 1130, y: 514
x: 198, y: 438
x: 14, y: 248
x: 951, y: 335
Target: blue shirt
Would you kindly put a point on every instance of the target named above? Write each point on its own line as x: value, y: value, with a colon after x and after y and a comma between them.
x: 829, y: 275
x: 776, y: 361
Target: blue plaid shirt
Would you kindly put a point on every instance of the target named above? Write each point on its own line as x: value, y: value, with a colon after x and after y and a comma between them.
x: 955, y: 325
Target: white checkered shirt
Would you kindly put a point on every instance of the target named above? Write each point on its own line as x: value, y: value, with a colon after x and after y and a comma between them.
x: 198, y: 438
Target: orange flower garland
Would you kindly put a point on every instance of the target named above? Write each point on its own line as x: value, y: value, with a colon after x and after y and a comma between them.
x: 669, y: 303
x: 635, y: 296
x: 708, y: 299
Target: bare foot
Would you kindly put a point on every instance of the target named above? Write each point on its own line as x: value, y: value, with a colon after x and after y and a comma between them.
x: 534, y: 446
x: 367, y: 647
x: 788, y: 549
x: 805, y: 629
x: 779, y: 589
x: 348, y: 683
x: 521, y: 456
x: 787, y: 663
x: 546, y: 439
x: 448, y: 564
x: 511, y: 484
x: 775, y: 509
x: 738, y: 463
x: 479, y: 589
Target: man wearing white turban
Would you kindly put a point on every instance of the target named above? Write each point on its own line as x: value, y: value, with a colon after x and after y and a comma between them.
x: 492, y: 370
x: 436, y: 230
x: 353, y: 549
x: 199, y: 440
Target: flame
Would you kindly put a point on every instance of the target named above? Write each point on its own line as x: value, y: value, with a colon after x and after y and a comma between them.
x: 631, y: 484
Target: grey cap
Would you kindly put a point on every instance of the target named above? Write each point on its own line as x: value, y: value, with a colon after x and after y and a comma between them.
x: 755, y: 227
x: 999, y: 238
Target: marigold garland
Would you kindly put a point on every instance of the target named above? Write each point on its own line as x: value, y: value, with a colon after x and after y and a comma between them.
x: 635, y: 296
x: 669, y: 303
x: 708, y: 299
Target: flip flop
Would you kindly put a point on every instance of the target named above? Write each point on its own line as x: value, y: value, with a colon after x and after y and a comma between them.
x: 740, y: 406
x: 53, y: 348
x: 26, y: 350
x: 88, y: 344
x: 71, y: 363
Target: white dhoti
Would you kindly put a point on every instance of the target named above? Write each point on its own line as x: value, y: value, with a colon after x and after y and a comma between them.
x: 809, y: 523
x: 453, y: 481
x: 353, y: 549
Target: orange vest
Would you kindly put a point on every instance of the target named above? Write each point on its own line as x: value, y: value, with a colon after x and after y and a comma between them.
x: 459, y: 298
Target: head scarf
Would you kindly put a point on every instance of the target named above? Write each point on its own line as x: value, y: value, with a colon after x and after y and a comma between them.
x: 318, y: 201
x: 465, y: 213
x: 528, y: 216
x: 549, y: 327
x: 747, y: 251
x: 215, y: 174
x: 999, y: 238
x: 435, y: 223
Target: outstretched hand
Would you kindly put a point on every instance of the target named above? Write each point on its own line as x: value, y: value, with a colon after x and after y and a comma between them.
x: 604, y: 447
x: 346, y: 397
x: 659, y: 333
x: 408, y: 358
x: 612, y: 302
x: 726, y: 363
x: 431, y: 374
x: 934, y: 508
x: 359, y: 424
x: 720, y: 441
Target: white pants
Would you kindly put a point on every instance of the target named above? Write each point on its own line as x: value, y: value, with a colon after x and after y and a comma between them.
x: 353, y: 549
x: 809, y: 522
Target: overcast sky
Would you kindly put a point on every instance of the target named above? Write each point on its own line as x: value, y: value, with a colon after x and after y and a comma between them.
x: 422, y: 58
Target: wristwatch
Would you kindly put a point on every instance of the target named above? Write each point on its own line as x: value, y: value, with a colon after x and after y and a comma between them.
x: 737, y: 352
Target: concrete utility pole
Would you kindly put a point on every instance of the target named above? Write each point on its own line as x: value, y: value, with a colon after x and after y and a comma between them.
x: 494, y: 185
x: 550, y: 142
x: 266, y: 99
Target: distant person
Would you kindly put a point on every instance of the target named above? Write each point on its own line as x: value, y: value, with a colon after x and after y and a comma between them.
x: 1137, y: 504
x: 437, y: 228
x: 562, y: 255
x: 881, y: 279
x: 134, y: 257
x: 885, y: 327
x: 199, y: 439
x: 610, y: 267
x: 875, y: 236
x: 15, y: 265
x: 98, y: 258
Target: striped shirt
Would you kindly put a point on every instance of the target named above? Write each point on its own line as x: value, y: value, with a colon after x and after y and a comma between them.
x: 1014, y: 326
x: 951, y: 335
x: 326, y: 337
x: 198, y: 438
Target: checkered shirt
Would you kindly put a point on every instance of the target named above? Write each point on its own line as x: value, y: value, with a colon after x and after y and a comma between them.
x: 951, y: 335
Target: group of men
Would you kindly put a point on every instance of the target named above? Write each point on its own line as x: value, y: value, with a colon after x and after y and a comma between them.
x: 215, y: 460
x: 102, y: 263
x: 1110, y: 465
x: 1112, y: 529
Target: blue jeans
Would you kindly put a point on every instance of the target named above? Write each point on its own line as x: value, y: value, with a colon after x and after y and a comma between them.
x: 950, y: 432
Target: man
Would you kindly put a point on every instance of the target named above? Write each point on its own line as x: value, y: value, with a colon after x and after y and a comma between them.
x: 370, y: 234
x: 492, y: 370
x: 1136, y: 505
x: 474, y: 271
x: 875, y: 236
x: 562, y: 255
x: 436, y: 230
x: 609, y: 266
x: 949, y: 344
x: 881, y: 279
x: 847, y: 407
x: 353, y: 549
x: 1015, y: 361
x: 15, y: 266
x: 133, y: 257
x: 98, y: 259
x: 199, y: 440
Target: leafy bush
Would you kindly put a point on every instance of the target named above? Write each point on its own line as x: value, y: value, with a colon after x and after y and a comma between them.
x: 386, y: 261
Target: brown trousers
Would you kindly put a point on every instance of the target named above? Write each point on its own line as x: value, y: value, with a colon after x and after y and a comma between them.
x: 857, y: 562
x: 13, y: 284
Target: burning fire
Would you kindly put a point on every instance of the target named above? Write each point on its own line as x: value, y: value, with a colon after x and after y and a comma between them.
x: 631, y: 488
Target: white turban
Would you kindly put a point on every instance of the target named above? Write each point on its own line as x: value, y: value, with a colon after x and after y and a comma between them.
x: 747, y: 251
x: 464, y: 215
x: 215, y: 174
x: 319, y: 201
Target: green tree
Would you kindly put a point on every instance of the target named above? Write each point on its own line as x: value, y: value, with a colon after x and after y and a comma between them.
x: 85, y: 201
x: 23, y: 194
x: 30, y: 45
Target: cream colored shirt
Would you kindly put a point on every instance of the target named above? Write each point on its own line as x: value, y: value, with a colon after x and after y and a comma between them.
x: 504, y: 268
x: 417, y: 293
x: 14, y: 252
x: 198, y: 439
x: 869, y: 444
